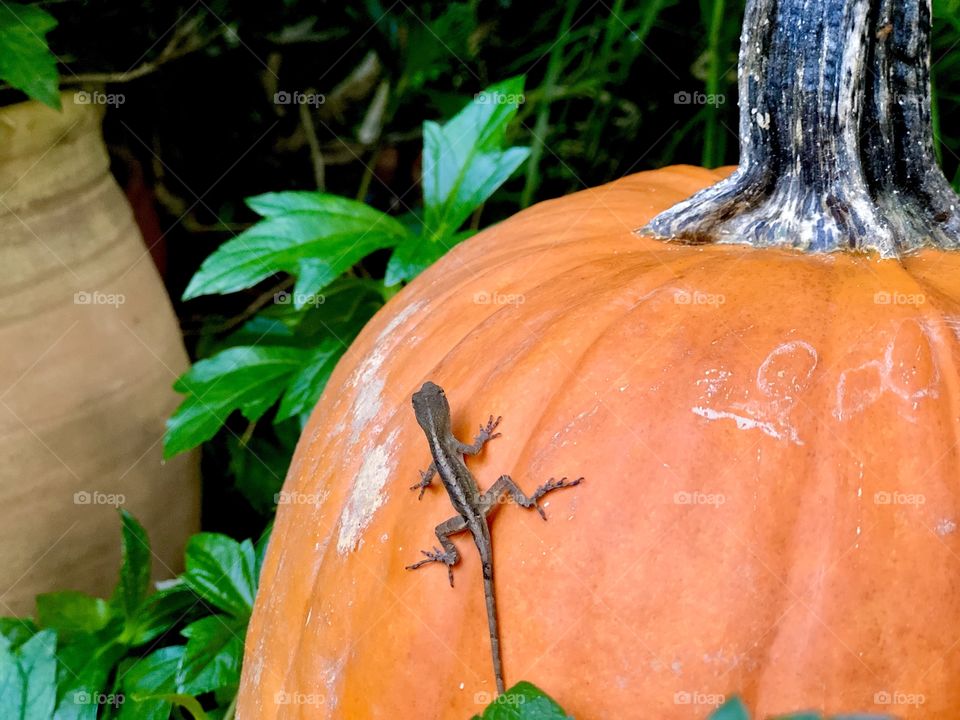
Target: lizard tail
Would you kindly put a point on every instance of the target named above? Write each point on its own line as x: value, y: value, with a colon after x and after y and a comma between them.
x: 492, y: 623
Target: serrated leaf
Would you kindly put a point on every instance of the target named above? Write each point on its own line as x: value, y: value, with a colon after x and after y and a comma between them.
x: 464, y: 162
x: 25, y: 58
x: 732, y: 709
x: 84, y: 665
x: 222, y: 572
x: 71, y: 613
x: 145, y: 678
x: 306, y: 385
x: 524, y: 701
x: 249, y: 379
x: 416, y: 254
x: 213, y: 655
x: 134, y: 567
x: 315, y: 235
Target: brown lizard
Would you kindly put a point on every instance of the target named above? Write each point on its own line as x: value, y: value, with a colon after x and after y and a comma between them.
x: 433, y: 414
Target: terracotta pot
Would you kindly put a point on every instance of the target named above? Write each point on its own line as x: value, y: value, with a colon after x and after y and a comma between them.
x: 90, y: 349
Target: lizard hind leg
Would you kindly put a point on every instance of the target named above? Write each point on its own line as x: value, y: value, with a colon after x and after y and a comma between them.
x: 506, y: 487
x: 449, y: 555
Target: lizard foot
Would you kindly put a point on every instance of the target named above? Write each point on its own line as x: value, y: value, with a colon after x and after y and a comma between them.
x: 486, y: 431
x: 426, y: 480
x: 437, y: 555
x: 549, y: 486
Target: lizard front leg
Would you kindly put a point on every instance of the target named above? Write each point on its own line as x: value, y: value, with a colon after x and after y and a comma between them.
x: 485, y: 435
x: 449, y: 555
x: 506, y: 486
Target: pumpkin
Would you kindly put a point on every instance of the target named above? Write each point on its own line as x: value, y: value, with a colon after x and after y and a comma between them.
x: 768, y: 430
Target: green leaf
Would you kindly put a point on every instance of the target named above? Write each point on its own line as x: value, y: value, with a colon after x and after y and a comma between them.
x: 416, y: 254
x: 222, y: 572
x: 305, y: 387
x: 134, y: 581
x: 464, y: 162
x: 70, y: 613
x: 84, y: 665
x: 145, y: 678
x: 732, y: 709
x: 159, y: 613
x: 17, y: 630
x: 38, y: 667
x: 259, y: 466
x: 213, y: 655
x: 246, y: 378
x: 524, y: 701
x: 314, y: 236
x: 25, y: 58
x: 187, y: 702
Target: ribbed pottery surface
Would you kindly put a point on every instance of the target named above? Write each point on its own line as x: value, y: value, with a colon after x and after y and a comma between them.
x: 90, y: 348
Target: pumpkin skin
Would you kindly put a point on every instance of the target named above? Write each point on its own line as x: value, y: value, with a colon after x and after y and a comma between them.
x: 770, y: 505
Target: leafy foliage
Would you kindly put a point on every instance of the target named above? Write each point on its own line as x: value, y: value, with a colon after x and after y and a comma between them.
x: 317, y: 238
x: 141, y: 653
x: 25, y: 60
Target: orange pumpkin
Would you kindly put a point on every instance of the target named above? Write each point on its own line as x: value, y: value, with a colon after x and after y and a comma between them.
x: 769, y: 439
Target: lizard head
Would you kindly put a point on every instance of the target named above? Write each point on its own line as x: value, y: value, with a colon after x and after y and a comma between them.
x: 431, y: 407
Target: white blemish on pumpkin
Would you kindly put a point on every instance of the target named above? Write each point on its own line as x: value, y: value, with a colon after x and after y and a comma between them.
x: 368, y: 380
x: 946, y: 527
x: 783, y: 375
x: 852, y: 399
x: 677, y: 667
x: 367, y: 494
x: 384, y: 537
x: 743, y: 423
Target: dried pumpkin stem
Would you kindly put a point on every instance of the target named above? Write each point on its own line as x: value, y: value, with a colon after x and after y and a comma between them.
x: 836, y: 144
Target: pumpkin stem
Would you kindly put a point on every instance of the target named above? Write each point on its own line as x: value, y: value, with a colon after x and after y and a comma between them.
x: 836, y: 144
